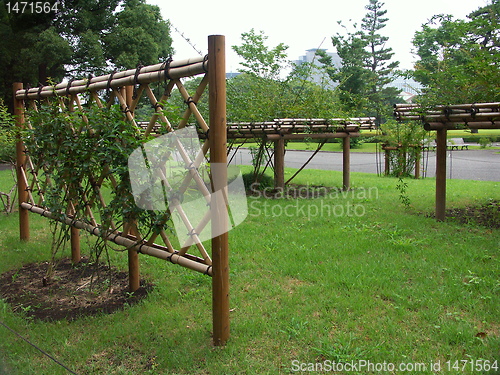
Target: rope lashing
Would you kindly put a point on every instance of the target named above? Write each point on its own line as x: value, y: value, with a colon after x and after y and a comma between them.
x: 189, y: 101
x: 108, y: 86
x: 40, y: 88
x: 205, y: 63
x: 89, y: 80
x: 69, y: 86
x: 28, y: 87
x: 166, y: 68
x: 192, y: 233
x: 207, y: 272
x: 136, y: 80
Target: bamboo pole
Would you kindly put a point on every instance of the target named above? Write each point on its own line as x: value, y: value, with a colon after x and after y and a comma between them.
x: 456, y: 125
x: 75, y: 245
x: 74, y: 232
x: 148, y: 74
x: 218, y: 154
x: 346, y: 163
x: 417, y: 164
x: 134, y: 279
x: 387, y: 164
x: 279, y: 163
x: 22, y: 186
x: 440, y: 174
x: 154, y: 250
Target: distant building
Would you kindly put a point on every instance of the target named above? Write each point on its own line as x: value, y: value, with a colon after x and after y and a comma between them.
x: 316, y: 75
x: 409, y: 87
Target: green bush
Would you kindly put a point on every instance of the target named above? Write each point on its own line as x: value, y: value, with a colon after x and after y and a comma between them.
x: 485, y: 141
x: 7, y: 136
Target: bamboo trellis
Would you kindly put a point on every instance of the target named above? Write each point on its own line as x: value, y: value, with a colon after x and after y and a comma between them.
x: 441, y: 119
x: 127, y: 88
x: 281, y: 130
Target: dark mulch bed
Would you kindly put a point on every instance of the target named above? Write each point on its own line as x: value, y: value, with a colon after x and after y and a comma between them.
x: 487, y: 214
x: 72, y: 292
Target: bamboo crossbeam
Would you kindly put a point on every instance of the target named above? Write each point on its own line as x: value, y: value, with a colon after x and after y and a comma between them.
x: 147, y: 74
x: 192, y: 262
x: 457, y: 125
x: 467, y: 114
x: 275, y: 137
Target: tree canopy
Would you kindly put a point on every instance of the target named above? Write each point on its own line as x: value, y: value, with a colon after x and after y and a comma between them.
x: 459, y: 60
x: 81, y: 37
x: 259, y: 59
x: 366, y: 68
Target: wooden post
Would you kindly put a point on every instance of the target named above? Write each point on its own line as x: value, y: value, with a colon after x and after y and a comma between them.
x: 418, y: 155
x: 74, y: 232
x: 387, y: 162
x: 346, y: 163
x: 440, y: 174
x: 218, y: 154
x: 279, y: 163
x: 134, y: 279
x: 75, y: 245
x: 22, y: 188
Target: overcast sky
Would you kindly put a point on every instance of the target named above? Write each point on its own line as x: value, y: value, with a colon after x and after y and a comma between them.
x: 301, y: 25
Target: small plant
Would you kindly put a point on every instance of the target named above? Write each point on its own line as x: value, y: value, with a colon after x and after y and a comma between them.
x: 402, y: 187
x: 7, y: 135
x: 485, y: 141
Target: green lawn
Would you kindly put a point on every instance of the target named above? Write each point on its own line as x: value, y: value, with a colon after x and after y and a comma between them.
x: 342, y: 278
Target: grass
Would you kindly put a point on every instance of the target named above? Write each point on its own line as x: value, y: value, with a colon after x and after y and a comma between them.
x: 309, y: 282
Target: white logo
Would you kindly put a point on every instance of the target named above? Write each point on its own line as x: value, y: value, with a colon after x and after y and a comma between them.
x: 171, y: 173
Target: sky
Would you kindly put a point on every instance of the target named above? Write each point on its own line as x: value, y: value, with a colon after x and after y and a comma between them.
x: 301, y: 25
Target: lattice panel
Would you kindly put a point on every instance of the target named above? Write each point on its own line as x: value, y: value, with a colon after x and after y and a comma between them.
x: 78, y: 98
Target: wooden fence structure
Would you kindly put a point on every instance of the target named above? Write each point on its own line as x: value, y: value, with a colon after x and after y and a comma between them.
x: 127, y: 88
x: 444, y: 118
x: 281, y: 130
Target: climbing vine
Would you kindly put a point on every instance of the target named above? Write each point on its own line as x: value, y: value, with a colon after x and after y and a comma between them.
x: 82, y: 156
x: 403, y: 141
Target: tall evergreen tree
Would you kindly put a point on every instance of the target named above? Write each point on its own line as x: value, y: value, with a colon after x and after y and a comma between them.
x: 379, y: 59
x: 366, y: 68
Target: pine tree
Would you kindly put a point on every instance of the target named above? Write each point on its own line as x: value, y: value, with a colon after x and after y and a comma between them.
x: 379, y: 60
x: 366, y: 67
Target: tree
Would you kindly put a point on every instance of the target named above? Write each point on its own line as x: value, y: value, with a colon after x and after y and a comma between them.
x: 459, y: 60
x: 379, y: 60
x: 366, y: 67
x: 259, y: 59
x: 79, y: 37
x: 139, y: 36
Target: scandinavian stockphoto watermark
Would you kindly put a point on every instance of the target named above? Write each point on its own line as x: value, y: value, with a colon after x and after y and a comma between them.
x: 171, y: 174
x: 310, y: 202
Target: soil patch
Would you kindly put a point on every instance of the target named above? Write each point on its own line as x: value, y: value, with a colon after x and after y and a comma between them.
x: 72, y: 292
x: 487, y: 214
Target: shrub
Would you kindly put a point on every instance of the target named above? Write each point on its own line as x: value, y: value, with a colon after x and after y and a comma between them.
x: 7, y: 136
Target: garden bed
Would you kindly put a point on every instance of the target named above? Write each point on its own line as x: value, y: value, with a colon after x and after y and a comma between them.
x: 73, y: 291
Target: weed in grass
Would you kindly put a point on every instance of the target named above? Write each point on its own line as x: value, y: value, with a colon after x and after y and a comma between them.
x: 402, y: 187
x: 295, y: 329
x: 342, y: 350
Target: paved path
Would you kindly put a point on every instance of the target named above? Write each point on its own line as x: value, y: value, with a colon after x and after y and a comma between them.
x: 482, y: 165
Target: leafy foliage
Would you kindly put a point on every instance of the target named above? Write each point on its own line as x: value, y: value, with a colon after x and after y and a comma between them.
x: 258, y: 58
x: 7, y: 135
x: 366, y: 66
x: 459, y: 59
x: 407, y: 138
x: 81, y: 156
x: 82, y: 37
